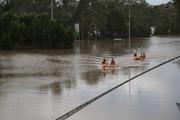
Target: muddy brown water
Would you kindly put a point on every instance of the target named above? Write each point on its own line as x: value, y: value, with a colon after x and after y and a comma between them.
x: 45, y: 84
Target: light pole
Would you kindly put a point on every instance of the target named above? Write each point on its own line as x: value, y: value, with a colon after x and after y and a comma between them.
x: 129, y: 2
x: 129, y: 25
x: 169, y: 30
x: 52, y: 10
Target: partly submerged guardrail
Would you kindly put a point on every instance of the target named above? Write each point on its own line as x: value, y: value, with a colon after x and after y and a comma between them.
x: 80, y: 107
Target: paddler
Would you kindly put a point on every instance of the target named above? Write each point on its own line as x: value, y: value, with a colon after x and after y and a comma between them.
x: 112, y: 61
x: 104, y: 62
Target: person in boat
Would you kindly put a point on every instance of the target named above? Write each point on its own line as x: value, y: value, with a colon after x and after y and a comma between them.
x: 113, y: 61
x: 143, y: 55
x: 135, y: 54
x: 104, y: 61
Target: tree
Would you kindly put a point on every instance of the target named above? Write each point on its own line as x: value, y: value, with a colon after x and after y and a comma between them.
x: 177, y: 5
x: 140, y: 19
x: 33, y: 30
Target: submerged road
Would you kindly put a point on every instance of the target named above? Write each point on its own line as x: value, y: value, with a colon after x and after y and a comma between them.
x: 80, y: 107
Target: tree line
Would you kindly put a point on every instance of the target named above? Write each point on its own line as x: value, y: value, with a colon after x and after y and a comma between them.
x: 167, y: 20
x: 33, y: 31
x: 27, y: 23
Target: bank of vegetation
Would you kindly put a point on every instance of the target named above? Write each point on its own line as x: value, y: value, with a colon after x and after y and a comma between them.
x: 167, y: 18
x: 28, y: 23
x: 33, y: 31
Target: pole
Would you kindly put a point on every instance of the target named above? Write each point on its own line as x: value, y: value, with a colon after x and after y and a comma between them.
x: 169, y: 31
x: 52, y: 10
x: 129, y: 26
x: 129, y: 41
x: 129, y: 81
x: 82, y: 28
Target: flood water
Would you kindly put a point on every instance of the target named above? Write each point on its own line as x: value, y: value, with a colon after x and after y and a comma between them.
x: 45, y: 84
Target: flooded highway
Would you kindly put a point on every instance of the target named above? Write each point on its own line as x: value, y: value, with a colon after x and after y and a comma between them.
x: 45, y: 84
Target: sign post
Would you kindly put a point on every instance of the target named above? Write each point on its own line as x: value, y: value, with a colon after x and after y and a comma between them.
x: 76, y: 31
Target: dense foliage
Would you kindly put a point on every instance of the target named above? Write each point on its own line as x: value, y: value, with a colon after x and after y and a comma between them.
x: 177, y: 5
x: 27, y: 23
x: 109, y: 18
x: 33, y: 30
x: 167, y: 18
x: 24, y: 26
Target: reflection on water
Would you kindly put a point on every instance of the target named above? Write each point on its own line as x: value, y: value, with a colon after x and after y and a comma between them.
x: 56, y: 87
x: 178, y: 106
x: 44, y: 84
x: 91, y: 77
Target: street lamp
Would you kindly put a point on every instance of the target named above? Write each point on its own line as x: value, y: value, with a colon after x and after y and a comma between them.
x: 52, y: 10
x: 129, y: 25
x: 129, y: 3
